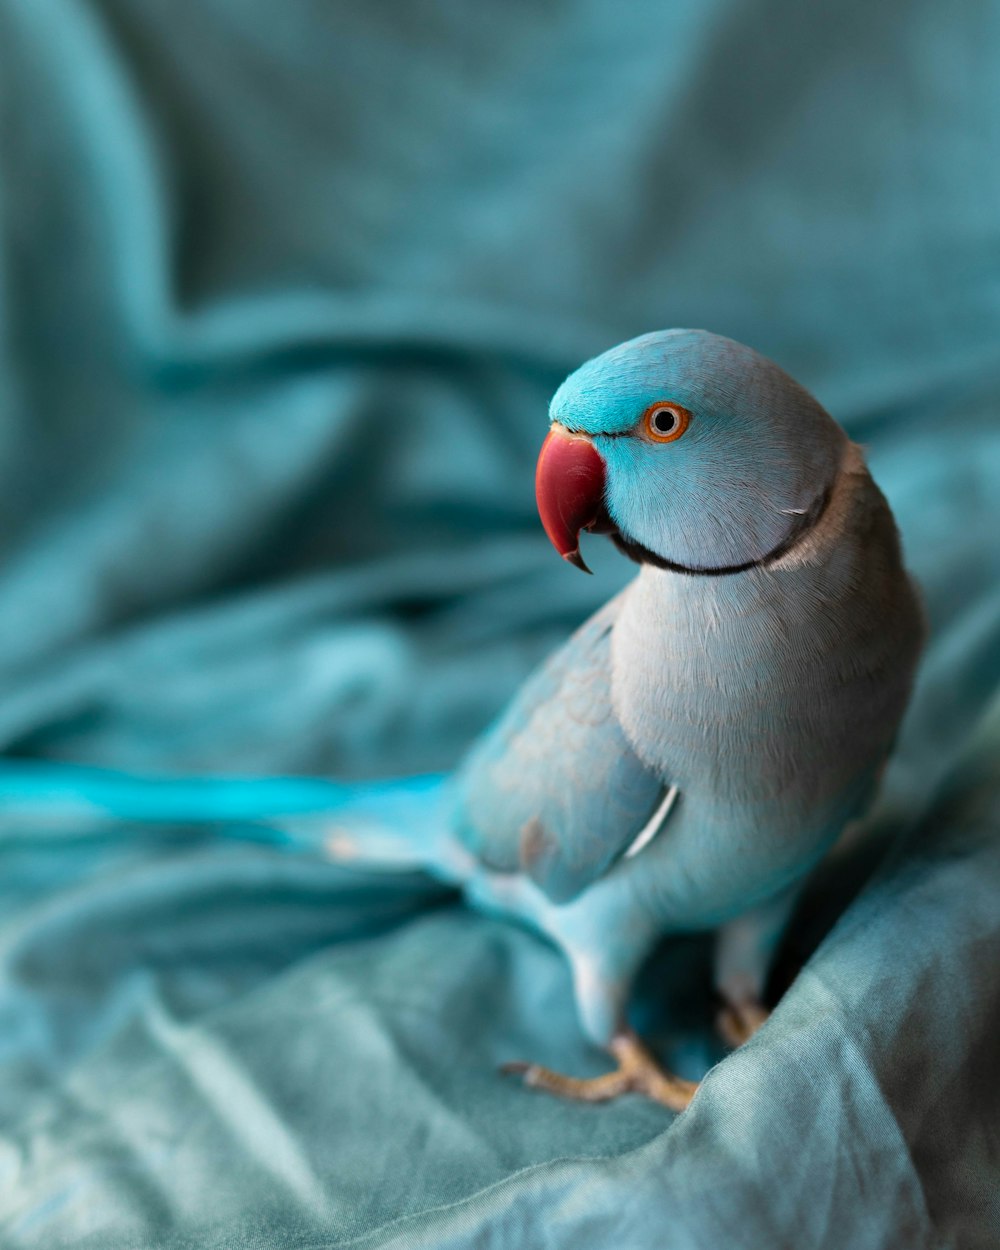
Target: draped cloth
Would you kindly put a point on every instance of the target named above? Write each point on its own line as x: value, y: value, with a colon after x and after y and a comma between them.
x: 284, y: 291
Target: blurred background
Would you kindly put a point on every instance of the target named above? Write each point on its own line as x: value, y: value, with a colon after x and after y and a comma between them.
x: 287, y: 288
x: 284, y: 292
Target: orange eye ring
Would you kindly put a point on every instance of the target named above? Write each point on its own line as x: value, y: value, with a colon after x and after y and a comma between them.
x: 665, y: 422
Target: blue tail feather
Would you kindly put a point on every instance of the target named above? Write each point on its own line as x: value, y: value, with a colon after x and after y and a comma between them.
x: 395, y: 823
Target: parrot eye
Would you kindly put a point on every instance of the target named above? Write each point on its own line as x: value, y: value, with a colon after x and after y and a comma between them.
x: 665, y: 422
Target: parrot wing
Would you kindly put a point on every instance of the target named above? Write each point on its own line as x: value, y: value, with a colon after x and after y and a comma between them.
x: 554, y: 790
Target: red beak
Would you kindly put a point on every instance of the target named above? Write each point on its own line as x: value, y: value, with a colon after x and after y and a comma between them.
x: 569, y: 489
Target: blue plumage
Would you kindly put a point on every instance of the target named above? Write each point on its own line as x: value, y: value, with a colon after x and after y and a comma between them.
x: 759, y: 665
x: 555, y: 790
x: 759, y: 450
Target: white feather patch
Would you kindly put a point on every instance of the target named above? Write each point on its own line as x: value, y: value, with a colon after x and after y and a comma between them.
x: 653, y: 826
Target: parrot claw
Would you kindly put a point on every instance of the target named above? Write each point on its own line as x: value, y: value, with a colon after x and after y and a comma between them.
x: 738, y: 1022
x: 637, y: 1073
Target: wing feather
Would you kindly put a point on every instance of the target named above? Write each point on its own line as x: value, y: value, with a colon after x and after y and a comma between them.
x: 554, y: 790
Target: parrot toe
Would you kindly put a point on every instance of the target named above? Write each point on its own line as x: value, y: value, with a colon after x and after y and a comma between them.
x: 637, y: 1072
x: 738, y: 1022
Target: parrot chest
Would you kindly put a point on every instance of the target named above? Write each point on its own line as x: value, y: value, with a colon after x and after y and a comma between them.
x: 748, y: 692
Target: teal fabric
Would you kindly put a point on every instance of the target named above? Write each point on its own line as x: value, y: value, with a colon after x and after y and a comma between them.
x: 284, y: 291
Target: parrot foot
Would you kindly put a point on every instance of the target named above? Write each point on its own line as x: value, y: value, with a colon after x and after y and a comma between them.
x: 738, y: 1022
x: 637, y: 1073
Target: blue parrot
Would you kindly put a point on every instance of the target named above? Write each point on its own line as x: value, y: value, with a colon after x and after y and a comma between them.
x: 690, y: 753
x: 686, y: 758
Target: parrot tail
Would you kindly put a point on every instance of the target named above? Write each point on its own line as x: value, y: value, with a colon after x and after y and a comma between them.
x: 393, y: 825
x: 400, y: 826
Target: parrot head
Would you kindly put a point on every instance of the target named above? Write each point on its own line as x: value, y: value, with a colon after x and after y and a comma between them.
x: 690, y: 450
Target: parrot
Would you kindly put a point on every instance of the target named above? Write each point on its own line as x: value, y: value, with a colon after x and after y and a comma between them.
x: 693, y: 750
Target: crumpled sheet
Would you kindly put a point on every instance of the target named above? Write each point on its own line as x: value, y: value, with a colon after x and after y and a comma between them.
x: 284, y: 289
